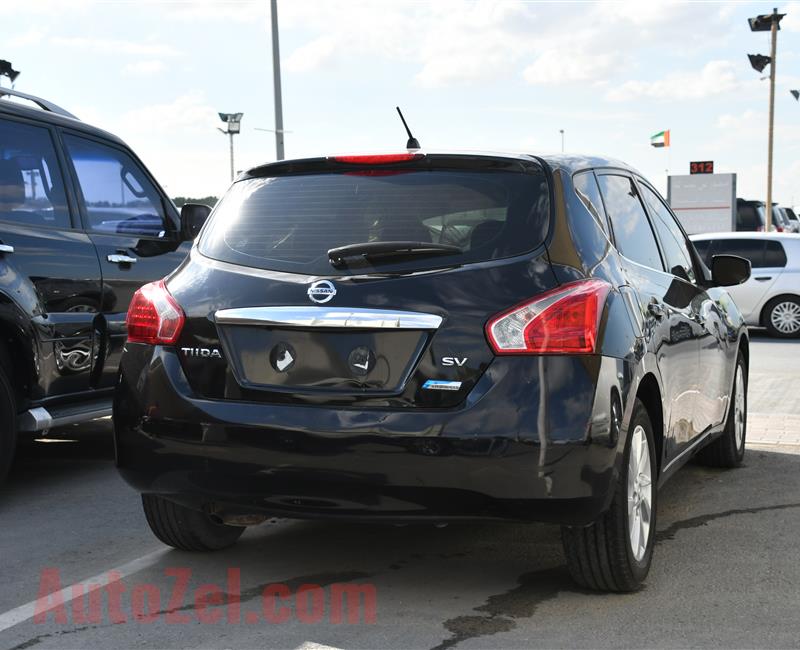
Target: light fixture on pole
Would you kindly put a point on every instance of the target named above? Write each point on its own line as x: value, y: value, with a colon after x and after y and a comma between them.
x: 233, y: 125
x: 795, y: 94
x: 7, y: 71
x: 768, y: 23
x: 759, y: 61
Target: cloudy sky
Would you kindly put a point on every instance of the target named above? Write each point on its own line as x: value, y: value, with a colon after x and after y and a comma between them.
x: 485, y: 74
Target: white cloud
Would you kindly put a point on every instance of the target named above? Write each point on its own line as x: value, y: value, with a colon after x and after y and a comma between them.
x: 115, y: 46
x: 185, y: 114
x: 33, y: 36
x: 144, y: 68
x: 715, y: 78
x: 791, y: 23
x: 312, y: 55
x: 566, y: 65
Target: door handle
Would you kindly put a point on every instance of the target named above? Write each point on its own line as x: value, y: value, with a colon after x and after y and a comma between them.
x: 763, y: 278
x: 657, y: 309
x: 5, y: 248
x: 121, y: 258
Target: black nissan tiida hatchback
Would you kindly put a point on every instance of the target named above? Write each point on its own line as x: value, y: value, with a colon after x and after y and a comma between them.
x: 434, y: 337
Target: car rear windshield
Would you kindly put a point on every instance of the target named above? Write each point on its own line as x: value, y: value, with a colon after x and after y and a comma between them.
x: 289, y: 222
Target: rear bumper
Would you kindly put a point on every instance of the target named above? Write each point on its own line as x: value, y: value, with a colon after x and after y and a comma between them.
x: 486, y: 459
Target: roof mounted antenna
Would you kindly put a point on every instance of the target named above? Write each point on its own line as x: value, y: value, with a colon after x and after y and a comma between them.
x: 412, y: 143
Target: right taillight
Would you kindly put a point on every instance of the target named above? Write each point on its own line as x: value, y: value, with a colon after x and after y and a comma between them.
x: 561, y: 321
x: 153, y: 316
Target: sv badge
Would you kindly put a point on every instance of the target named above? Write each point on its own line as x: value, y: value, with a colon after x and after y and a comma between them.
x: 454, y: 361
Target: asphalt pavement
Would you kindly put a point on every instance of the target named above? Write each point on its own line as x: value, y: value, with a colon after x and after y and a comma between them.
x: 724, y: 575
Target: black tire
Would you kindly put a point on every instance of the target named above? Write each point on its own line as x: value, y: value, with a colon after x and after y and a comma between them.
x: 187, y: 529
x: 600, y: 556
x: 781, y: 302
x: 726, y: 451
x: 8, y: 424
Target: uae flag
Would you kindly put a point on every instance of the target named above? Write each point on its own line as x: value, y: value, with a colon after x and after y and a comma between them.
x: 660, y: 139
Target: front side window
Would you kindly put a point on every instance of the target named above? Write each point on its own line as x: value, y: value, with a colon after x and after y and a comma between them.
x: 632, y: 231
x: 673, y: 241
x: 703, y: 248
x: 31, y: 185
x: 118, y: 197
x: 749, y: 249
x: 589, y: 193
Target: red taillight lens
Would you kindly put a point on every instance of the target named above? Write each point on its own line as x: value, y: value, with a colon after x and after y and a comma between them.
x: 561, y: 321
x: 153, y: 316
x: 379, y: 159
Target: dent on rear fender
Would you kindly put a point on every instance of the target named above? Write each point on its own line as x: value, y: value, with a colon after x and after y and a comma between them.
x: 574, y: 397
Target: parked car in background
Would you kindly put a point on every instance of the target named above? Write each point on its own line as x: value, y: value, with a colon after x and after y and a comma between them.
x: 771, y: 297
x: 791, y: 219
x: 751, y: 217
x: 83, y: 225
x: 434, y: 337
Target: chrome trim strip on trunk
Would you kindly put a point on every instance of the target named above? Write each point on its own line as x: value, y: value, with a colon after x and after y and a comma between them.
x: 342, y: 317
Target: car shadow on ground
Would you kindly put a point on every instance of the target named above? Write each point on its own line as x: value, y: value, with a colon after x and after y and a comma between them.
x: 487, y: 582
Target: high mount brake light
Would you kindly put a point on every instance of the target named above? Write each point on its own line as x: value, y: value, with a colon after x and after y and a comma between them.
x: 153, y: 316
x: 564, y: 320
x: 379, y: 159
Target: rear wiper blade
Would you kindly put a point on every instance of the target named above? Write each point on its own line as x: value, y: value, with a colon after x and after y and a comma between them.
x: 345, y: 255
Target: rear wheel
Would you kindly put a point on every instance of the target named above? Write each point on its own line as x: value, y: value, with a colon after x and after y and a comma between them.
x: 728, y: 449
x: 187, y: 529
x: 782, y: 317
x: 614, y: 553
x: 8, y: 424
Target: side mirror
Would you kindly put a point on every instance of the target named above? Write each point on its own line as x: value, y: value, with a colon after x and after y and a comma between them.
x: 193, y: 216
x: 729, y: 270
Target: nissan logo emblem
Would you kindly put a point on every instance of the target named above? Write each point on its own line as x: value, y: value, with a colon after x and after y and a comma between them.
x: 321, y: 291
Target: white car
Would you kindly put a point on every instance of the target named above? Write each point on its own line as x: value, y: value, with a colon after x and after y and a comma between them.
x: 771, y: 297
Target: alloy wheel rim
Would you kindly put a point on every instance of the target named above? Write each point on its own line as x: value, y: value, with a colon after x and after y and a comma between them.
x: 785, y: 317
x: 739, y: 413
x: 640, y: 493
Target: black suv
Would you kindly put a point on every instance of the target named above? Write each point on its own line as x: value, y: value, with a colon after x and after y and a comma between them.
x: 434, y: 337
x: 83, y: 225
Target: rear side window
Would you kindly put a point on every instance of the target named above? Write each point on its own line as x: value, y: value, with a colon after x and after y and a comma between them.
x: 774, y: 255
x: 31, y: 185
x: 632, y: 231
x: 288, y: 223
x: 589, y: 193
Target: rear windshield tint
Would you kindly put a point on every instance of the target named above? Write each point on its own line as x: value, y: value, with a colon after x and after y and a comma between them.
x: 288, y: 223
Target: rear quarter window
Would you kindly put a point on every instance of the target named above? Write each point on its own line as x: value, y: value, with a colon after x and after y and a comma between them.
x: 774, y: 254
x: 288, y: 223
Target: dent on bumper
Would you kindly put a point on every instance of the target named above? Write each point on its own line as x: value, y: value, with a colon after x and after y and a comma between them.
x: 484, y: 459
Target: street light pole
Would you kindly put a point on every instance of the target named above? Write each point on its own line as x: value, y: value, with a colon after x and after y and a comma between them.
x: 233, y: 125
x: 774, y: 33
x: 233, y: 167
x: 276, y: 78
x: 561, y: 131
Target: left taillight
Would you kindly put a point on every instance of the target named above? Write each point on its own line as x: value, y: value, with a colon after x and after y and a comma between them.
x: 153, y: 316
x: 561, y: 321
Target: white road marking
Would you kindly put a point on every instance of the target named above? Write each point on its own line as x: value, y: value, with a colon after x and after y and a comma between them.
x: 310, y: 645
x: 24, y: 612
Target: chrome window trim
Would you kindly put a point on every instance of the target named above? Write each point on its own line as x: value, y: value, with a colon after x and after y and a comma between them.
x: 341, y: 317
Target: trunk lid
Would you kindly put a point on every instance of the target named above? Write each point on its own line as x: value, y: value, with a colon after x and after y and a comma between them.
x: 274, y: 320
